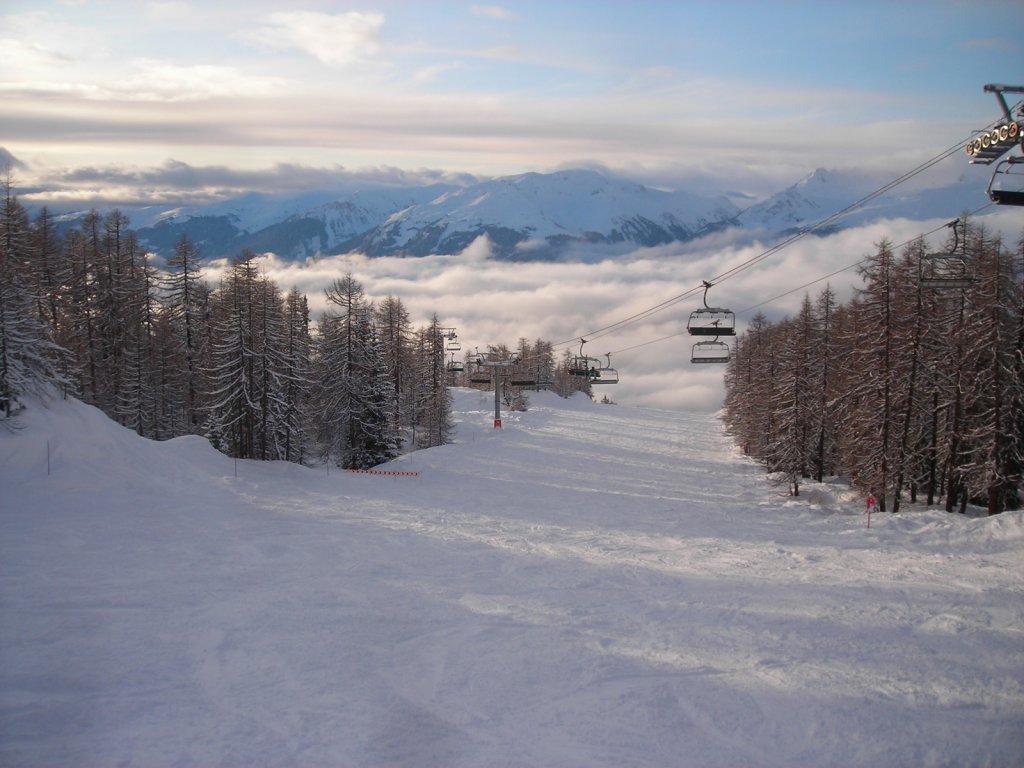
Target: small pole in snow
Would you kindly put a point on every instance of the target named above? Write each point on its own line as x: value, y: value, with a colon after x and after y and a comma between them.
x: 870, y: 503
x: 47, y: 458
x: 236, y: 466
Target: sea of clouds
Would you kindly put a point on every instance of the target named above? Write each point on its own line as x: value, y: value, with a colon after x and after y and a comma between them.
x: 490, y: 301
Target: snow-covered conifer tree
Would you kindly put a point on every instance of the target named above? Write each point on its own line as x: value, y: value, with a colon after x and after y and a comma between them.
x: 28, y: 356
x: 354, y: 398
x: 183, y: 299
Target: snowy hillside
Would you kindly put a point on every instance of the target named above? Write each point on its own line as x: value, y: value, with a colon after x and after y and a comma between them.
x: 587, y: 586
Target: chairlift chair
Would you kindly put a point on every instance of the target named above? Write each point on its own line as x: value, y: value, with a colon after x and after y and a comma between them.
x: 605, y: 374
x: 479, y: 374
x: 953, y: 277
x: 711, y: 321
x: 1004, y: 174
x: 949, y: 270
x: 584, y: 367
x: 710, y: 352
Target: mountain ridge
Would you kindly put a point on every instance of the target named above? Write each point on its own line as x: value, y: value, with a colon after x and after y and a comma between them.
x: 528, y: 216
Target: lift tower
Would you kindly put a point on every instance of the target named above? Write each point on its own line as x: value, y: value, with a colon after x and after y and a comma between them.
x: 497, y: 364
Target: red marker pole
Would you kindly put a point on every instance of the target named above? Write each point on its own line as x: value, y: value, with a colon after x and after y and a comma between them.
x: 870, y: 501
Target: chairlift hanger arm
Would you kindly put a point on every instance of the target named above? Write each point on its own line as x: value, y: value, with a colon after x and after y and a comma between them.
x: 999, y: 90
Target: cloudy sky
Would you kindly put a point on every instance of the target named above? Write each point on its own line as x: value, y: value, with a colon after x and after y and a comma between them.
x: 137, y: 101
x: 757, y: 93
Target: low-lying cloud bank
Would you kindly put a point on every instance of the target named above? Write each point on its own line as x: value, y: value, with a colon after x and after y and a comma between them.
x: 497, y: 302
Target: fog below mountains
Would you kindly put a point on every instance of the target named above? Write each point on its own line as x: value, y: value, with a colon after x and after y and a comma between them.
x: 491, y: 302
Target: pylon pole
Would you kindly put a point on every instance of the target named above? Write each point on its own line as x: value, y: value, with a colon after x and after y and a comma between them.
x: 497, y: 398
x: 496, y: 366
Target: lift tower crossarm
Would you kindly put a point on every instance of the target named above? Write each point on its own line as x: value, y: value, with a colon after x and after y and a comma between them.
x: 999, y: 90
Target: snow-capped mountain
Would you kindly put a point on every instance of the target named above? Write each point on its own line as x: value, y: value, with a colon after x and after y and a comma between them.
x: 532, y: 216
x: 527, y: 216
x: 293, y: 226
x: 536, y: 215
x: 824, y: 193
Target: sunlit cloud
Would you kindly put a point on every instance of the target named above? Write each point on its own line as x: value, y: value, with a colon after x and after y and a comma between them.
x: 21, y: 55
x: 163, y: 81
x: 495, y: 12
x: 492, y: 302
x: 432, y: 73
x: 338, y: 39
x: 179, y: 183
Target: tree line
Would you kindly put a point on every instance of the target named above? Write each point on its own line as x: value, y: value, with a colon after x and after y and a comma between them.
x: 166, y: 354
x: 914, y: 389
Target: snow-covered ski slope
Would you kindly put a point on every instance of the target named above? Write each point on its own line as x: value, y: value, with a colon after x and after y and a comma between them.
x: 588, y: 586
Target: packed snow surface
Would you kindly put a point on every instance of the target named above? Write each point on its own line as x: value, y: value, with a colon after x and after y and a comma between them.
x: 590, y: 585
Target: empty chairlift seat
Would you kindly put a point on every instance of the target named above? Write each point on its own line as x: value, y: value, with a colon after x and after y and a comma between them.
x: 949, y: 270
x: 1007, y: 184
x: 710, y: 352
x: 711, y: 321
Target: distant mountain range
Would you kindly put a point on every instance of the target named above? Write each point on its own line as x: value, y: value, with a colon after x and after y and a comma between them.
x: 530, y: 216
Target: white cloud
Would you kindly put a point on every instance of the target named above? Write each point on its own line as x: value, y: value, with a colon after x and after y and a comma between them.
x: 497, y: 302
x: 431, y: 73
x: 25, y: 55
x: 495, y: 12
x: 154, y: 80
x: 339, y: 39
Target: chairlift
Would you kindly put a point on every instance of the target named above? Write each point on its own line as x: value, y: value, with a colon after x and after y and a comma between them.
x: 711, y: 321
x: 584, y: 367
x: 1003, y: 175
x: 522, y: 380
x: 949, y: 270
x: 993, y: 143
x: 605, y: 374
x: 452, y: 341
x: 455, y: 366
x: 479, y: 374
x: 710, y: 352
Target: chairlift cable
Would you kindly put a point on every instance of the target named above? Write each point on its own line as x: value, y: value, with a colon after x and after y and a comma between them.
x: 606, y: 330
x: 652, y: 341
x: 806, y: 285
x: 855, y: 264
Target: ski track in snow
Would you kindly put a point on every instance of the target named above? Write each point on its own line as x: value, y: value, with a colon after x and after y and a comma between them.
x: 588, y: 586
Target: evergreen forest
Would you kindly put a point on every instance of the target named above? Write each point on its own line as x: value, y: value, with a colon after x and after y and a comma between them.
x: 913, y: 390
x: 166, y: 354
